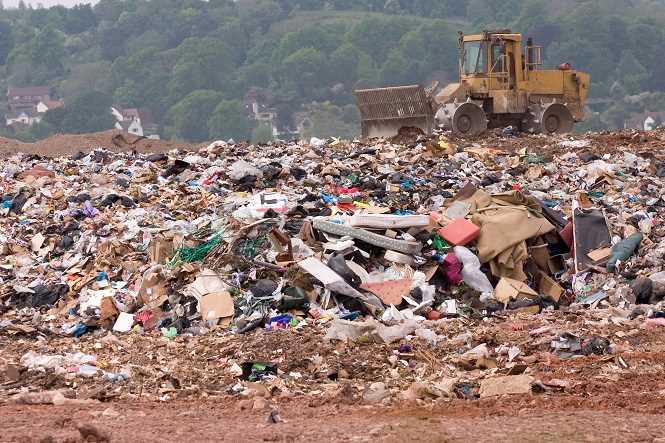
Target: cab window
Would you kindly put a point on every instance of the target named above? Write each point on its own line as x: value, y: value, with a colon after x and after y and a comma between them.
x: 498, y: 61
x: 475, y: 58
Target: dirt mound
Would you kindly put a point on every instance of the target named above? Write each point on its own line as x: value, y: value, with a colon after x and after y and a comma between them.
x: 65, y: 144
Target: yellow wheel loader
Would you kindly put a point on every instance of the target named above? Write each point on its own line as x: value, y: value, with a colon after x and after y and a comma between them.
x: 500, y: 84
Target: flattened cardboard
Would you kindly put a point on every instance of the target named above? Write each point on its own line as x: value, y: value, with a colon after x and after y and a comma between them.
x: 160, y: 250
x: 540, y: 255
x: 600, y: 255
x: 108, y: 309
x: 507, y: 385
x: 508, y: 289
x: 216, y: 305
x: 390, y: 292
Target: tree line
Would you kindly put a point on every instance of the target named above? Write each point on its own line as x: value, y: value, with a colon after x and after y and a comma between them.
x: 190, y: 62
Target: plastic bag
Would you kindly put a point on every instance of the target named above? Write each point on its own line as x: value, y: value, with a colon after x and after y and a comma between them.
x: 472, y: 274
x: 623, y: 250
x: 317, y: 142
x: 242, y: 169
x: 453, y: 268
x: 32, y: 360
x: 428, y: 335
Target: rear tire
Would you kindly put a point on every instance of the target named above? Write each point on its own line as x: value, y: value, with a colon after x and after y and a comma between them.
x: 557, y: 119
x: 554, y: 118
x: 469, y: 119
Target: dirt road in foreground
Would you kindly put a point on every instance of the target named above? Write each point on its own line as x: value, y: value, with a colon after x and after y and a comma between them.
x: 212, y: 420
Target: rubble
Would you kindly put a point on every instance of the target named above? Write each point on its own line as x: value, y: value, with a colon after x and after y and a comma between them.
x: 199, y: 272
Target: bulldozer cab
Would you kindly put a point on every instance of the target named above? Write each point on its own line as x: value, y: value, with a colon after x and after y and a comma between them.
x: 491, y: 60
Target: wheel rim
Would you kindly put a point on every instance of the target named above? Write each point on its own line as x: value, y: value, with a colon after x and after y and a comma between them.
x: 469, y: 119
x: 557, y: 119
x: 552, y: 123
x: 464, y: 124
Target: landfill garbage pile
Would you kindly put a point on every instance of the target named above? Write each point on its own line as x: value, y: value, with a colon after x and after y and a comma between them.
x: 415, y: 269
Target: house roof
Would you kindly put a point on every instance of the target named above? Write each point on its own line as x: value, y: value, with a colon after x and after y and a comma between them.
x: 53, y: 104
x: 31, y: 91
x: 138, y: 113
x: 29, y: 112
x: 130, y: 113
x: 146, y: 117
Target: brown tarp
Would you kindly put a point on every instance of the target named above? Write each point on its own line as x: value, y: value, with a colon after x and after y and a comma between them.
x: 506, y: 221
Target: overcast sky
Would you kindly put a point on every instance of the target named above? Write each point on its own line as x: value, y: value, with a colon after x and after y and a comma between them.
x: 46, y: 3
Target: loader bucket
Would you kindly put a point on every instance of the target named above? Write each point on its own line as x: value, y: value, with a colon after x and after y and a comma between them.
x: 384, y: 111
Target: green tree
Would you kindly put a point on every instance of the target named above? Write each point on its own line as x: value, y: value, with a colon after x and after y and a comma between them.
x: 262, y: 133
x: 54, y: 118
x: 344, y: 61
x: 259, y: 14
x: 79, y: 18
x: 328, y: 121
x: 396, y: 70
x: 89, y: 112
x: 378, y: 35
x: 633, y: 73
x: 48, y: 49
x: 615, y: 116
x: 229, y: 120
x: 6, y: 41
x: 191, y: 114
x: 305, y: 69
x: 202, y: 64
x: 322, y: 38
x: 41, y: 130
x: 87, y: 76
x: 534, y: 13
x: 480, y: 11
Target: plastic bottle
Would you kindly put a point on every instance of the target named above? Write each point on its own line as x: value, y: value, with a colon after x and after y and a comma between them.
x: 472, y: 274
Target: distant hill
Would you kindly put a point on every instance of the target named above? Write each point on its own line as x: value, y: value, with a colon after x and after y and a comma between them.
x: 256, y: 68
x: 47, y: 3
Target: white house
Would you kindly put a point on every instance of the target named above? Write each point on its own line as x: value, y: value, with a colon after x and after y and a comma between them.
x: 26, y: 106
x: 47, y: 105
x: 135, y: 121
x: 27, y: 118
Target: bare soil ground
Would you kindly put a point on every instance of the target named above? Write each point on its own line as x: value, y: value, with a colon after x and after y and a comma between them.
x: 600, y: 402
x: 67, y: 144
x: 218, y: 420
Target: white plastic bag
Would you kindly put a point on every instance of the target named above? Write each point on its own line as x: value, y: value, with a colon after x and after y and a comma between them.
x: 472, y: 274
x: 242, y: 169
